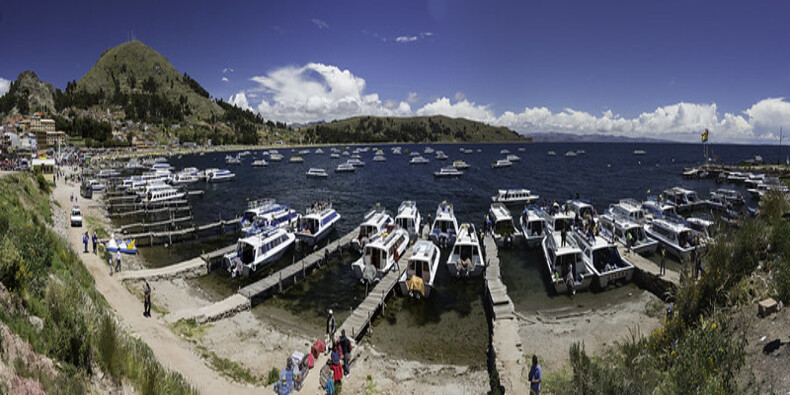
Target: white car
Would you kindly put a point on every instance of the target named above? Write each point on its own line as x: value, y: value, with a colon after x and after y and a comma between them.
x: 76, y: 216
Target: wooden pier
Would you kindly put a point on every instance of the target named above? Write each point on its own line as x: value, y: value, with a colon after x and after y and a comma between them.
x: 195, y: 267
x: 179, y: 234
x: 147, y: 225
x: 505, y: 339
x: 147, y: 211
x: 359, y: 320
x: 138, y: 205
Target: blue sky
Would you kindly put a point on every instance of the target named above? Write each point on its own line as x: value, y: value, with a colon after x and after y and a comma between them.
x: 661, y: 69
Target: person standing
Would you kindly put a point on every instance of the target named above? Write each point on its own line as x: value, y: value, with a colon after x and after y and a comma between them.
x: 95, y: 239
x: 663, y: 270
x: 535, y: 376
x: 330, y: 327
x: 146, y: 299
x: 345, y: 346
x: 85, y: 241
x: 630, y: 240
x: 118, y: 261
x: 564, y: 235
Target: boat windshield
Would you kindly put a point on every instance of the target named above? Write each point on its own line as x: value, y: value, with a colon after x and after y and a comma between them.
x: 504, y: 227
x: 561, y: 223
x: 308, y: 225
x: 445, y: 226
x: 535, y: 227
x: 466, y: 252
x: 404, y: 223
x: 246, y: 253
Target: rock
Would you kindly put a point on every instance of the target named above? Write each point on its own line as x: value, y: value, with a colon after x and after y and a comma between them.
x: 766, y: 307
x: 36, y: 322
x: 5, y: 297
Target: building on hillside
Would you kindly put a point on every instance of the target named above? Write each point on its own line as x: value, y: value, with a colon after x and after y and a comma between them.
x: 40, y: 127
x: 10, y: 140
x: 28, y: 142
x: 45, y: 167
x: 57, y: 138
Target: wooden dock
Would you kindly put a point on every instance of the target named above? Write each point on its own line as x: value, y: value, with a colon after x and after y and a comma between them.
x: 147, y: 225
x: 360, y: 319
x: 138, y: 205
x: 179, y: 234
x: 278, y: 281
x: 147, y: 211
x: 505, y: 339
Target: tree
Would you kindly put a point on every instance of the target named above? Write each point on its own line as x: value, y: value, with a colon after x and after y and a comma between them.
x: 149, y: 85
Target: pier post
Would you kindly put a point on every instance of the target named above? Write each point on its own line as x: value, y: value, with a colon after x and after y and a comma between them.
x: 281, y: 282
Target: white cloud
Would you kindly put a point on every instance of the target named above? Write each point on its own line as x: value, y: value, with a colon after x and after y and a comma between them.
x: 227, y: 70
x: 320, y: 24
x: 224, y: 79
x: 240, y: 100
x: 319, y: 92
x: 5, y: 85
x: 406, y: 39
x: 316, y: 92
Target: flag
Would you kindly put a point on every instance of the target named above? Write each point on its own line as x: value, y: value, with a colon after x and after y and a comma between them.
x: 705, y: 136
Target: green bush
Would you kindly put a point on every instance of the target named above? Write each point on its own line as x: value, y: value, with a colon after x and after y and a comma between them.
x: 273, y: 376
x: 107, y: 346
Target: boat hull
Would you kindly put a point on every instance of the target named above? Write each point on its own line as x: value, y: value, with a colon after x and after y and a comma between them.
x: 455, y: 271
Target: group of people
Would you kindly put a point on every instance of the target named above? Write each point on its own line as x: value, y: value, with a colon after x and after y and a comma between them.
x: 340, y: 349
x: 86, y: 239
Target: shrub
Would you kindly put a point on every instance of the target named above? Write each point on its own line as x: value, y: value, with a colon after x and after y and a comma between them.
x: 274, y: 375
x: 107, y: 345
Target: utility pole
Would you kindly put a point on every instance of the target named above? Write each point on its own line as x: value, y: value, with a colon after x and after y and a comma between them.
x: 779, y: 154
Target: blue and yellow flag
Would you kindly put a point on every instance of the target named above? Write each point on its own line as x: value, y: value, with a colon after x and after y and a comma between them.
x: 705, y: 136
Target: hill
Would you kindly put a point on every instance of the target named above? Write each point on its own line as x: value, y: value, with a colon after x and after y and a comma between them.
x: 367, y: 129
x: 133, y: 73
x: 589, y: 138
x: 28, y: 94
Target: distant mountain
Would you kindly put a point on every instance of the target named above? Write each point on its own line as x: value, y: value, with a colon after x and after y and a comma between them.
x: 28, y: 94
x: 589, y: 138
x: 368, y: 129
x: 137, y: 77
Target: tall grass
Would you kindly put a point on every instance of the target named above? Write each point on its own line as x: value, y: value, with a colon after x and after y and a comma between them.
x: 47, y: 279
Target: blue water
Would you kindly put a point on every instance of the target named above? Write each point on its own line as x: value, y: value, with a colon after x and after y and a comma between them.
x: 605, y: 174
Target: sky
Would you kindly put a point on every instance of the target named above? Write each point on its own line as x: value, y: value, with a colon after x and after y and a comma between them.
x: 665, y: 69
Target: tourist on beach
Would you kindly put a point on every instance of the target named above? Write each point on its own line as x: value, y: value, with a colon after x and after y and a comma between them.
x: 110, y: 262
x: 330, y: 327
x: 118, y: 261
x: 663, y: 271
x: 146, y: 299
x: 535, y: 376
x: 334, y: 361
x: 345, y: 346
x: 284, y: 386
x: 85, y: 241
x: 94, y: 239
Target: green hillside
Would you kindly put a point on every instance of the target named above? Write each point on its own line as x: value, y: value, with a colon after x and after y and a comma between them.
x: 437, y: 128
x: 134, y: 71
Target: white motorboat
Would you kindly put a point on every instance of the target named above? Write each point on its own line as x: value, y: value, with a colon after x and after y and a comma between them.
x: 551, y: 153
x: 345, y: 153
x: 514, y: 196
x: 466, y: 259
x: 678, y: 239
x: 319, y: 151
x: 183, y: 178
x: 448, y: 172
x: 258, y: 251
x: 218, y: 175
x: 461, y: 165
x: 409, y: 218
x: 316, y: 223
x: 513, y: 158
x: 275, y: 157
x: 655, y: 209
x: 260, y: 163
x: 355, y: 162
x: 356, y: 156
x: 163, y: 195
x: 396, y: 150
x: 629, y: 210
x: 414, y: 153
x: 110, y: 173
x: 317, y: 172
x: 296, y: 159
x: 733, y: 197
x: 603, y: 259
x: 504, y: 151
x: 428, y: 150
x: 445, y: 227
x: 418, y: 160
x: 334, y: 155
x: 96, y: 185
x: 161, y: 166
x: 533, y: 226
x: 440, y: 155
x: 570, y: 154
x: 581, y: 208
x: 267, y: 213
x: 381, y: 255
x: 379, y: 158
x: 345, y: 168
x: 501, y: 163
x: 232, y: 160
x: 683, y: 199
x: 304, y: 152
x: 502, y: 224
x: 737, y: 177
x: 717, y: 201
x: 639, y: 152
x: 417, y: 281
x: 564, y: 259
x: 373, y: 224
x: 620, y: 228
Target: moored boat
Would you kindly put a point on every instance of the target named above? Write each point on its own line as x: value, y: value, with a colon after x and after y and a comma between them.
x: 381, y: 255
x: 409, y: 218
x: 316, y: 172
x: 448, y: 172
x: 564, y: 261
x: 418, y: 278
x: 316, y: 224
x: 533, y: 226
x: 603, y: 259
x: 466, y: 259
x: 419, y: 160
x: 677, y: 238
x: 345, y: 168
x: 620, y: 229
x: 373, y: 224
x: 502, y: 225
x: 258, y: 251
x: 501, y: 163
x: 518, y: 196
x: 445, y: 227
x: 460, y: 165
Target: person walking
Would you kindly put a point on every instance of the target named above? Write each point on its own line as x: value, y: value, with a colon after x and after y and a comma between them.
x: 330, y: 327
x: 118, y: 261
x: 111, y: 263
x: 146, y: 299
x: 345, y: 346
x: 95, y: 240
x: 535, y: 376
x: 85, y: 241
x: 663, y: 270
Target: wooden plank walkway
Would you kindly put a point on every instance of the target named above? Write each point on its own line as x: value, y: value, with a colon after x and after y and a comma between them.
x: 151, y: 236
x: 195, y: 267
x: 145, y: 225
x: 276, y: 281
x: 146, y: 211
x: 137, y: 205
x: 363, y: 315
x: 505, y: 339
